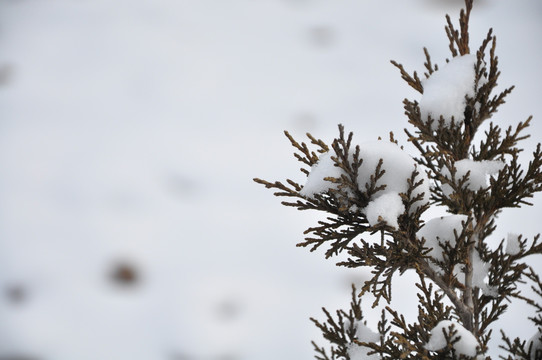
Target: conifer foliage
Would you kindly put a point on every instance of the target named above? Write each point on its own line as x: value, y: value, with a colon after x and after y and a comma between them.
x: 376, y: 188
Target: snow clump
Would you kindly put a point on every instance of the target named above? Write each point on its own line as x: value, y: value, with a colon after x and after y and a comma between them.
x: 480, y: 270
x: 479, y: 172
x: 325, y: 167
x: 388, y: 207
x: 363, y: 334
x: 446, y: 90
x: 398, y: 167
x: 513, y: 246
x: 440, y: 230
x: 466, y: 345
x: 536, y: 346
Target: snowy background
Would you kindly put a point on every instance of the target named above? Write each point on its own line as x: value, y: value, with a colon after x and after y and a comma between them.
x: 130, y: 131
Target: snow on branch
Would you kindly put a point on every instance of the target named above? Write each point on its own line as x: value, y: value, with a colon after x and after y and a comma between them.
x: 451, y: 333
x: 446, y: 91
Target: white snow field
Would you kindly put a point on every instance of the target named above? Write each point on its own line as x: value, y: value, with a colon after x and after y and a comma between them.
x: 130, y: 132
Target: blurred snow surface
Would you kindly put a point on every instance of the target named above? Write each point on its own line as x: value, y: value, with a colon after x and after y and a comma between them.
x: 129, y: 135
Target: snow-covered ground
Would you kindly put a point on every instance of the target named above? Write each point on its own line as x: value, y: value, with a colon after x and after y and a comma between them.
x: 130, y: 131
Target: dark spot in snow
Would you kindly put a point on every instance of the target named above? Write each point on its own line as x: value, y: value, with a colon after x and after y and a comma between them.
x: 322, y: 36
x: 124, y: 274
x: 228, y: 310
x: 228, y: 357
x: 305, y: 121
x: 6, y: 75
x: 15, y: 294
x: 182, y: 186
